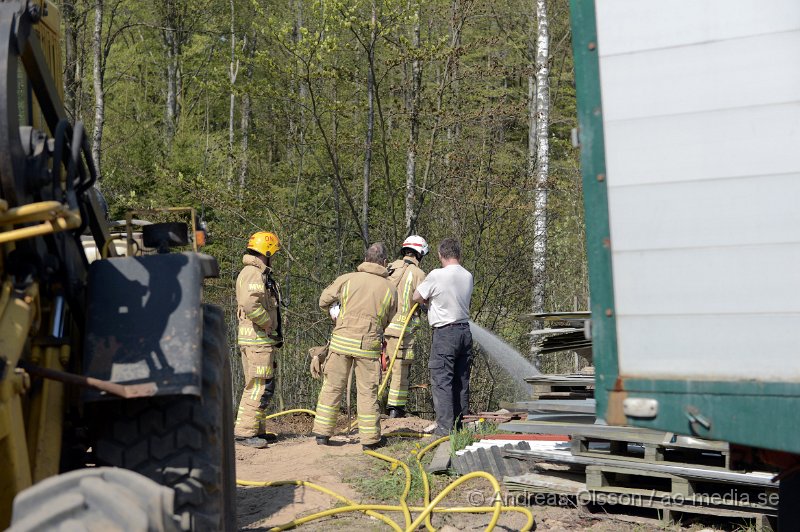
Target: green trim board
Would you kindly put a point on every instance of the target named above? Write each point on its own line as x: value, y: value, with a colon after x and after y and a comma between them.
x: 689, y: 387
x: 727, y: 414
x: 595, y: 197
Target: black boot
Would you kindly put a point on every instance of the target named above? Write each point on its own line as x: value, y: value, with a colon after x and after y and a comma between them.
x: 269, y: 437
x: 322, y: 440
x: 397, y: 412
x: 372, y: 446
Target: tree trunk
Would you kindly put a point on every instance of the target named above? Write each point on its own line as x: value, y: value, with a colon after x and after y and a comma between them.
x: 541, y: 120
x: 72, y: 77
x: 456, y: 20
x: 370, y: 121
x: 530, y: 173
x: 233, y: 72
x: 171, y: 32
x: 99, y: 89
x: 443, y: 79
x: 413, y: 134
x: 247, y: 111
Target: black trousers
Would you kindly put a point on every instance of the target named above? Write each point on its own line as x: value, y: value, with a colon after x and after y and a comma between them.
x: 450, y: 361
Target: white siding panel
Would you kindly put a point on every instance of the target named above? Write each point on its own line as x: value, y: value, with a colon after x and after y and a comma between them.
x: 751, y: 141
x: 709, y: 347
x: 719, y: 212
x: 744, y: 72
x: 735, y: 280
x: 631, y: 25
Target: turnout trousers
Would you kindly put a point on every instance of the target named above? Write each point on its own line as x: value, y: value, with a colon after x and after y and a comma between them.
x: 334, y: 386
x: 398, y: 387
x: 450, y: 361
x: 258, y: 363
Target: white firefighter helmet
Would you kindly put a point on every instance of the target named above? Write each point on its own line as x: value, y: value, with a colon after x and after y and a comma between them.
x: 416, y: 243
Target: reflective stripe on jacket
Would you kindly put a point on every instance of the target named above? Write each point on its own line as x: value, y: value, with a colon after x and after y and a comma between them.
x: 367, y: 300
x: 257, y: 305
x: 406, y: 276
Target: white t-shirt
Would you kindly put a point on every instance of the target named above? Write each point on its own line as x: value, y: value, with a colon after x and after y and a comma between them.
x: 448, y: 291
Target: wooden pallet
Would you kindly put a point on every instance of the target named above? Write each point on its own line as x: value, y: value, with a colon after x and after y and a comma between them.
x: 694, y: 472
x: 568, y: 484
x: 671, y: 514
x: 680, y: 490
x: 712, y: 455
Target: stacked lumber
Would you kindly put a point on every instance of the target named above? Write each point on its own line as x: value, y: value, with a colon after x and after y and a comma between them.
x: 564, y: 331
x: 561, y: 387
x: 500, y: 416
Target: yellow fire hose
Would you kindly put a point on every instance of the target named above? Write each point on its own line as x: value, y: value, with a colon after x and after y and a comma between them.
x: 406, y: 489
x: 426, y: 487
x: 382, y: 387
x: 431, y: 506
x: 292, y: 411
x: 425, y: 511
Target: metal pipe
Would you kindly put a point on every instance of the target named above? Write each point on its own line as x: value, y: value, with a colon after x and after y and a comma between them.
x: 57, y: 330
x: 126, y: 391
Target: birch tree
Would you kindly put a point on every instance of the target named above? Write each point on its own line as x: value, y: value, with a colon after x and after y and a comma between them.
x: 540, y: 121
x: 99, y: 89
x: 101, y: 48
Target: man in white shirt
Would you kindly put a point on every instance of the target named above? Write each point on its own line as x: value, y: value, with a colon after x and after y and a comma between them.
x: 447, y: 292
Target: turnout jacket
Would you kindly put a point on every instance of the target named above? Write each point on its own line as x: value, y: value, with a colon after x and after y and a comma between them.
x: 258, y: 301
x: 367, y: 300
x: 406, y: 276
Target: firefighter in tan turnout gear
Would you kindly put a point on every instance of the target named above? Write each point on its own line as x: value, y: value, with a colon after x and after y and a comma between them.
x: 367, y: 301
x: 406, y: 276
x: 259, y: 336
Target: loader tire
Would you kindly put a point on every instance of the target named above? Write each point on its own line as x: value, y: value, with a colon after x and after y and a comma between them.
x: 100, y: 498
x: 183, y: 442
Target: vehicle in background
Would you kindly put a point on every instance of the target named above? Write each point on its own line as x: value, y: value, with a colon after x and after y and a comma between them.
x: 128, y: 235
x: 115, y: 363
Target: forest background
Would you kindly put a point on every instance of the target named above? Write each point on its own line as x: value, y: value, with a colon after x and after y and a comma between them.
x: 336, y: 123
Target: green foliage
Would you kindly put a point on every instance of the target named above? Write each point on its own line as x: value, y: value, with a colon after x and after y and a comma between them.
x: 306, y: 81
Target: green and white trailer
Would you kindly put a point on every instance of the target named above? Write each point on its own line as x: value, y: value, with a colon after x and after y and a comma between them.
x: 689, y: 126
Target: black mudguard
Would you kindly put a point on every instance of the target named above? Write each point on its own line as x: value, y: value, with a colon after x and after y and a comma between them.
x: 144, y: 321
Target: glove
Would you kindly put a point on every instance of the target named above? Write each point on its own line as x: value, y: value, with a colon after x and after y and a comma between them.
x: 318, y: 356
x: 384, y: 357
x: 334, y: 311
x: 278, y: 339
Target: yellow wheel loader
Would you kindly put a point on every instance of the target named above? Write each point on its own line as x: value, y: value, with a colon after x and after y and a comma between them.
x: 115, y: 400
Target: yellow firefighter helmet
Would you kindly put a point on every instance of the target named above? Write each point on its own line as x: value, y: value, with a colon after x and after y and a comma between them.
x: 265, y: 243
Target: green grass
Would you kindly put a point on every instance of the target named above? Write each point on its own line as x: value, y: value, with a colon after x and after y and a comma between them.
x: 381, y: 483
x: 460, y: 439
x: 377, y: 481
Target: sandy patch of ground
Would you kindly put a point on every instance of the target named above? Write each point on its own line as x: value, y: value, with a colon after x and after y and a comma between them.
x: 297, y: 457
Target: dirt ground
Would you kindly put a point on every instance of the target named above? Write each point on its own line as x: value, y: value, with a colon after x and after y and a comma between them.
x: 295, y: 456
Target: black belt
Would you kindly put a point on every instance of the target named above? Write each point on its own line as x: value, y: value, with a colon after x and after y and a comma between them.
x: 457, y: 324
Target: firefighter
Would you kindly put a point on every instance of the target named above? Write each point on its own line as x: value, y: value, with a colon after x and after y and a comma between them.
x: 367, y: 301
x: 406, y: 276
x: 259, y: 336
